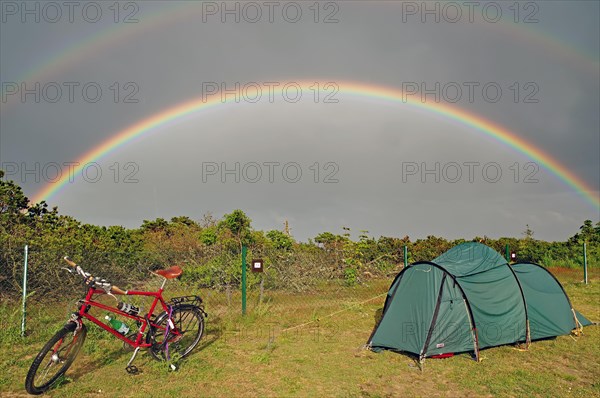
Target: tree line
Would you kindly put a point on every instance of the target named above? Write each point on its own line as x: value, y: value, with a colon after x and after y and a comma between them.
x: 209, y: 249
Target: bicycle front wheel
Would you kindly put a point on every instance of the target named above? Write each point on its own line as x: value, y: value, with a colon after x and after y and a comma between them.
x: 184, y: 334
x: 55, y: 358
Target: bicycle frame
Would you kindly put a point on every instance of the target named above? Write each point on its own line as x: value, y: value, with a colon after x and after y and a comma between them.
x: 145, y: 321
x: 154, y: 332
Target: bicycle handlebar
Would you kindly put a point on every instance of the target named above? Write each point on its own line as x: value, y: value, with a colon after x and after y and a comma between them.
x: 87, y: 276
x: 70, y: 262
x: 116, y: 290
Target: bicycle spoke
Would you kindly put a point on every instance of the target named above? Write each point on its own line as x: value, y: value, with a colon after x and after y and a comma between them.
x: 54, y: 360
x: 191, y: 317
x: 51, y: 361
x: 185, y: 334
x: 46, y: 369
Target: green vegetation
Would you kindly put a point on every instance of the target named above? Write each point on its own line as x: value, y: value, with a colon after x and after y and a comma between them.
x: 209, y: 249
x: 309, y: 313
x: 312, y: 345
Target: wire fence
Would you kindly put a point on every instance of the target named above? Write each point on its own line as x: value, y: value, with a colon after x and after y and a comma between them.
x: 295, y: 288
x: 288, y: 281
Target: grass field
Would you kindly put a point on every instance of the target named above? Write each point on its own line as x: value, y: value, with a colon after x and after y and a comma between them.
x: 321, y: 355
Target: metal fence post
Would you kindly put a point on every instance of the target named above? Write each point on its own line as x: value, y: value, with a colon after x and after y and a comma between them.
x: 585, y: 276
x: 24, y: 293
x: 243, y: 280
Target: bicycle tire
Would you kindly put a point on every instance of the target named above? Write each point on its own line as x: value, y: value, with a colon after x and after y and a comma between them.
x: 55, y: 347
x: 188, y: 321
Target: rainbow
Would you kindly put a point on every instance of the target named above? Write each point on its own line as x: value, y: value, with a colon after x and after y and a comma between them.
x: 82, y: 48
x: 449, y: 112
x: 108, y: 36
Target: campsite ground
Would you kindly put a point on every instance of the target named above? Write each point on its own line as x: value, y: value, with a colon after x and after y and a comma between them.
x: 321, y: 356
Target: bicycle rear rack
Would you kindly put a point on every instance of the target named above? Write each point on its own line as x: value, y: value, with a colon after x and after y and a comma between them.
x: 193, y: 300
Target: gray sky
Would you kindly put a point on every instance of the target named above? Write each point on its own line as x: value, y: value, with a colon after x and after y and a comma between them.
x: 365, y: 162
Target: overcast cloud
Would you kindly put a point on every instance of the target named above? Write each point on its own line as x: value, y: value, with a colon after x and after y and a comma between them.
x: 361, y: 158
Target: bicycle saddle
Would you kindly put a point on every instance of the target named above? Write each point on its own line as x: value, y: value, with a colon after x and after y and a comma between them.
x: 170, y: 273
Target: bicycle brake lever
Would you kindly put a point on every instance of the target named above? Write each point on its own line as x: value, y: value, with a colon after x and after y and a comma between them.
x: 113, y: 296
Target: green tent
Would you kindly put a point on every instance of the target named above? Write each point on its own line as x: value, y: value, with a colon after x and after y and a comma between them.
x: 469, y: 298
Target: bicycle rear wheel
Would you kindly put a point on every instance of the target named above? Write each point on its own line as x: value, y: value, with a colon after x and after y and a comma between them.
x: 55, y: 358
x: 184, y: 334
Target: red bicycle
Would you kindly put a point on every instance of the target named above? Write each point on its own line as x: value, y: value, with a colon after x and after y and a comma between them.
x: 175, y: 331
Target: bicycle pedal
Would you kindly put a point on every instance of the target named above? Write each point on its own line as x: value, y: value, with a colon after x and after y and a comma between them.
x: 132, y: 370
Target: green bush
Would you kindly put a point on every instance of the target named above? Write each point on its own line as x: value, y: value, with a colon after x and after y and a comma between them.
x: 351, y: 276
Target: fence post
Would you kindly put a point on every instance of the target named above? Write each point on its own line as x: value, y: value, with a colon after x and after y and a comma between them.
x: 24, y: 310
x: 243, y: 280
x: 405, y: 256
x: 585, y: 276
x: 507, y: 253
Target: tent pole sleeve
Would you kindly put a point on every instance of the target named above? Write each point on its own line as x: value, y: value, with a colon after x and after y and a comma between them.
x: 467, y: 305
x: 469, y: 311
x: 527, y: 331
x: 434, y: 318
